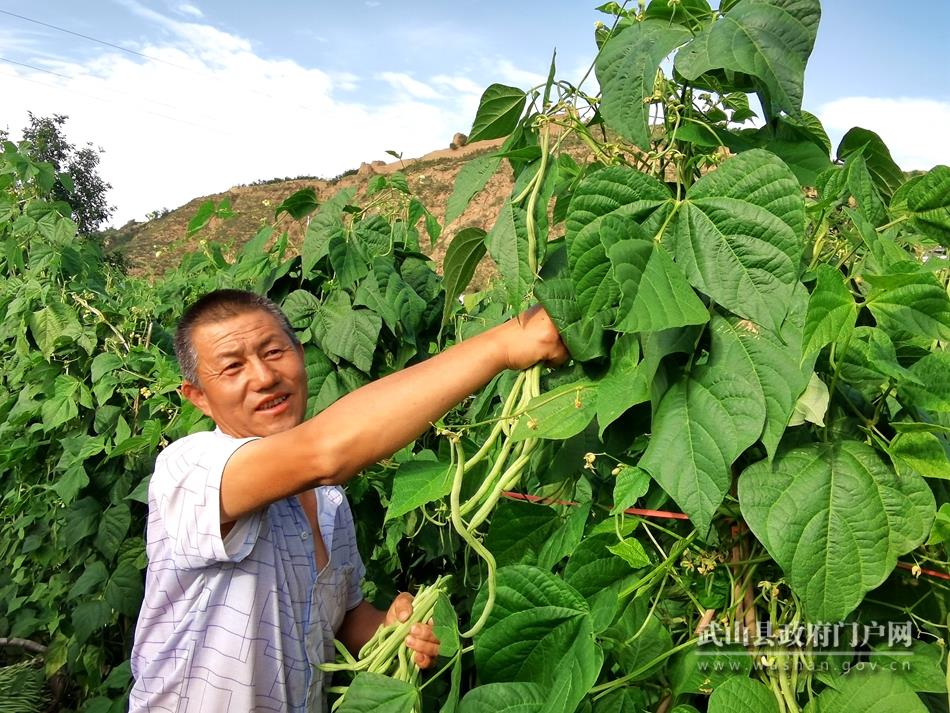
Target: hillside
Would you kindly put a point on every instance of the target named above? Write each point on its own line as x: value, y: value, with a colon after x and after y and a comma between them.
x: 151, y: 247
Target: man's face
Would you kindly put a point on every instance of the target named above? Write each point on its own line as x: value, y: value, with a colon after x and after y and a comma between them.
x: 252, y: 377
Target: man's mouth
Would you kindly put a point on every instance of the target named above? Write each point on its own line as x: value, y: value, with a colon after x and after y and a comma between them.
x: 276, y: 401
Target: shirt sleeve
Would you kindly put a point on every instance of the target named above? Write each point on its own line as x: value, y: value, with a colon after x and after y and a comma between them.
x: 186, y: 490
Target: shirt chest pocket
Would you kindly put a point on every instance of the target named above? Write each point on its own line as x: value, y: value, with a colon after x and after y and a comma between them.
x: 330, y: 593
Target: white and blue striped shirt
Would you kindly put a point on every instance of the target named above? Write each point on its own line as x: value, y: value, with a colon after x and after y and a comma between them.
x: 237, y: 624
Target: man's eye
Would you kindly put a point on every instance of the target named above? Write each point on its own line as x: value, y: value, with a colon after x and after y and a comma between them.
x: 274, y: 353
x: 233, y: 366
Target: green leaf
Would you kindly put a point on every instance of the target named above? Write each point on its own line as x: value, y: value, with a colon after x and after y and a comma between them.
x: 879, y: 692
x: 90, y: 617
x: 386, y: 293
x: 918, y: 304
x: 631, y: 485
x: 832, y: 312
x: 537, y: 620
x: 655, y: 293
x: 885, y: 173
x: 125, y: 589
x: 54, y: 324
x: 470, y: 180
x: 768, y: 362
x: 113, y: 528
x: 770, y: 40
x: 347, y: 333
x: 626, y: 70
x: 378, y: 693
x: 631, y: 552
x: 812, y: 405
x: 703, y: 670
x: 926, y: 202
x: 703, y: 423
x: 461, y: 258
x: 202, y: 217
x: 299, y: 204
x: 63, y: 405
x: 558, y: 414
x: 509, y: 697
x: 835, y: 518
x: 519, y: 531
x: 508, y: 245
x: 921, y: 666
x: 104, y: 363
x: 92, y: 575
x: 598, y: 575
x: 923, y: 453
x: 417, y: 483
x: 930, y: 389
x: 742, y: 695
x: 626, y: 383
x: 498, y: 112
x: 326, y: 224
x: 622, y: 700
x: 738, y: 236
x: 299, y: 307
x: 636, y: 638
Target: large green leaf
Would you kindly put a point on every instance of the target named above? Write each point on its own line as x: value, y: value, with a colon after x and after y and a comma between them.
x: 509, y: 697
x: 498, y: 112
x: 880, y: 691
x: 771, y: 365
x: 54, y: 324
x: 913, y: 302
x: 885, y: 173
x: 470, y: 180
x: 326, y: 224
x: 345, y: 332
x: 558, y: 414
x: 920, y: 666
x: 930, y: 388
x: 832, y: 312
x: 378, y: 693
x: 113, y: 528
x: 835, y: 518
x: 626, y: 69
x: 418, y: 482
x: 742, y: 695
x: 537, y: 621
x: 703, y: 423
x: 770, y: 40
x: 924, y: 453
x: 926, y: 202
x: 386, y: 293
x: 738, y: 236
x: 598, y: 575
x: 462, y: 257
x: 508, y: 245
x: 654, y: 292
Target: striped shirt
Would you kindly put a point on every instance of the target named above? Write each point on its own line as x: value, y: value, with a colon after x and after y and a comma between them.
x: 237, y: 623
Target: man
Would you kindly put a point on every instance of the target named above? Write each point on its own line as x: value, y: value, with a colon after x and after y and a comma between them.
x: 253, y: 567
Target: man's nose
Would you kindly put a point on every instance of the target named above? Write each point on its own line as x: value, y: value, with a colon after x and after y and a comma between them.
x: 262, y: 375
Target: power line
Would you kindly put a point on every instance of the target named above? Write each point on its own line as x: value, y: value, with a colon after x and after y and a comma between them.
x: 143, y: 55
x: 93, y: 39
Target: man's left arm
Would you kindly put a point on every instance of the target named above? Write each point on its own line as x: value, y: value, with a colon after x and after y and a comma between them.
x: 362, y: 621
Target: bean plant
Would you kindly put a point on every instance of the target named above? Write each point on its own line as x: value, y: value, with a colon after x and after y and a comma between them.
x: 733, y: 497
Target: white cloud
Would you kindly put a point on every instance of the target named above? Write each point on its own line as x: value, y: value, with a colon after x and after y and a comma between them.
x: 463, y: 85
x: 914, y: 129
x: 188, y: 9
x: 412, y: 87
x: 522, y: 78
x: 205, y: 112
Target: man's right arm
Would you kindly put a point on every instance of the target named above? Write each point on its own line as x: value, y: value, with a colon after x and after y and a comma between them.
x: 375, y: 421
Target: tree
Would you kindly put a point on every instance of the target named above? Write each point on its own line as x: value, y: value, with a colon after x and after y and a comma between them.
x: 75, y: 166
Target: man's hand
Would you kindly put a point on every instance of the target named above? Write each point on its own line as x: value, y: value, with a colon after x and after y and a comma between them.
x: 530, y: 338
x: 421, y: 638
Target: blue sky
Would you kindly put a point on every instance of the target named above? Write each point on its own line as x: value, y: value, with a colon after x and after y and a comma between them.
x: 231, y: 92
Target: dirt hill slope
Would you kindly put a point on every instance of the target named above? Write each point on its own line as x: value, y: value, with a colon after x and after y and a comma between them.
x: 151, y: 247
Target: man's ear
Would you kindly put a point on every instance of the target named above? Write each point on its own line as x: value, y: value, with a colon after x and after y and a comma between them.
x: 197, y: 396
